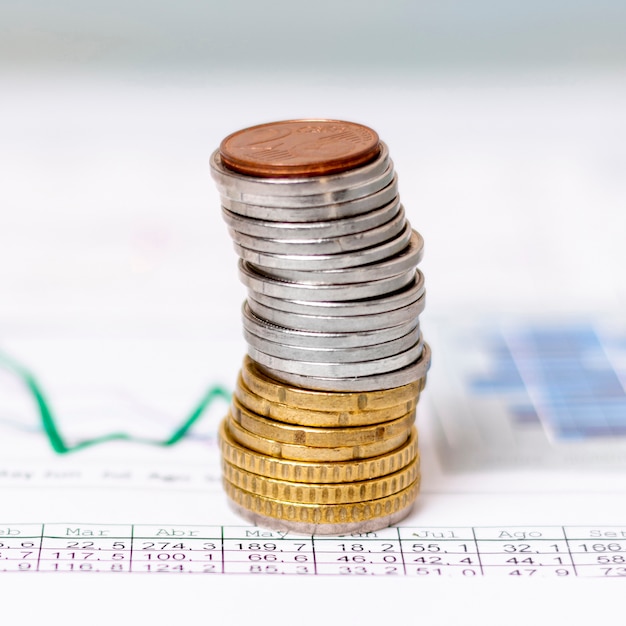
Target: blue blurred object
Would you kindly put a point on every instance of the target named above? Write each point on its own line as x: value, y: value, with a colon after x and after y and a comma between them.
x: 569, y: 380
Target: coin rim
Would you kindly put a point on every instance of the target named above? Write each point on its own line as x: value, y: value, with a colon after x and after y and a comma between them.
x: 300, y: 291
x: 336, y: 353
x: 322, y: 419
x: 303, y: 528
x: 230, y: 182
x: 409, y: 256
x: 316, y: 436
x: 328, y: 209
x: 339, y: 323
x: 267, y: 261
x: 323, y: 192
x: 375, y: 382
x: 306, y: 398
x: 402, y: 298
x: 342, y: 370
x: 297, y: 452
x: 333, y: 244
x: 320, y: 339
x: 323, y: 514
x: 316, y: 472
x: 312, y: 229
x: 322, y: 493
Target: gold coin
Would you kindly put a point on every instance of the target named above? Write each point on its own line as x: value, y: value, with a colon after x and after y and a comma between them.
x: 298, y: 452
x: 323, y: 513
x: 276, y: 391
x: 308, y: 472
x: 309, y: 417
x: 337, y: 493
x: 319, y: 437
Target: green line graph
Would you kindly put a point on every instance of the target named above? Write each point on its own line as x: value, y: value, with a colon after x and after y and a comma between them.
x: 59, y: 444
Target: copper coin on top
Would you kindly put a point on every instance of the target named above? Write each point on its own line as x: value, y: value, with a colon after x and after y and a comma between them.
x: 299, y: 148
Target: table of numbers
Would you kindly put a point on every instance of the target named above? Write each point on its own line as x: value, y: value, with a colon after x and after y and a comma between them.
x: 416, y: 551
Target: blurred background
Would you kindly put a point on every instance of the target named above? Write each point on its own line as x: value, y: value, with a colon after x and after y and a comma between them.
x: 397, y: 36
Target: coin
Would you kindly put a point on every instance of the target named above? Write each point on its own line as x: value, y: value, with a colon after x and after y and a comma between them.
x: 312, y: 230
x: 324, y: 419
x: 342, y: 370
x: 298, y: 452
x: 404, y: 260
x: 299, y: 148
x: 340, y: 528
x: 310, y: 339
x: 270, y: 388
x: 310, y: 262
x: 333, y: 493
x: 252, y: 278
x: 301, y: 192
x: 327, y: 209
x: 322, y: 245
x: 319, y: 437
x: 338, y: 324
x: 388, y: 302
x: 386, y: 380
x: 352, y: 354
x: 316, y: 472
x: 276, y: 189
x: 325, y: 519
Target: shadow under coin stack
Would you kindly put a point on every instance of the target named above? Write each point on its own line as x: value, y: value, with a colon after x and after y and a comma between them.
x: 320, y: 437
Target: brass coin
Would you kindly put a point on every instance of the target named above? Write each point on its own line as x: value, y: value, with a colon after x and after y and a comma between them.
x: 327, y: 419
x: 297, y: 397
x: 299, y: 148
x: 298, y: 452
x: 308, y: 472
x: 319, y: 437
x: 323, y: 513
x: 337, y: 493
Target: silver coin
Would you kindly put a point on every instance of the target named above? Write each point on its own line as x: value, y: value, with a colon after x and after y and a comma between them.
x: 342, y: 324
x: 329, y: 210
x: 296, y: 291
x: 397, y: 378
x: 329, y: 245
x: 234, y: 184
x: 309, y: 339
x: 313, y: 262
x: 312, y: 230
x: 330, y: 197
x: 334, y: 354
x: 388, y: 302
x: 400, y: 262
x: 338, y: 370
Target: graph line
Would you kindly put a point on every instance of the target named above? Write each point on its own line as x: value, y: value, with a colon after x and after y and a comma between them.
x: 60, y: 445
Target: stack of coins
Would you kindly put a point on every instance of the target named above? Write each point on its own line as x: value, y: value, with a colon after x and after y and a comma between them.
x: 320, y: 437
